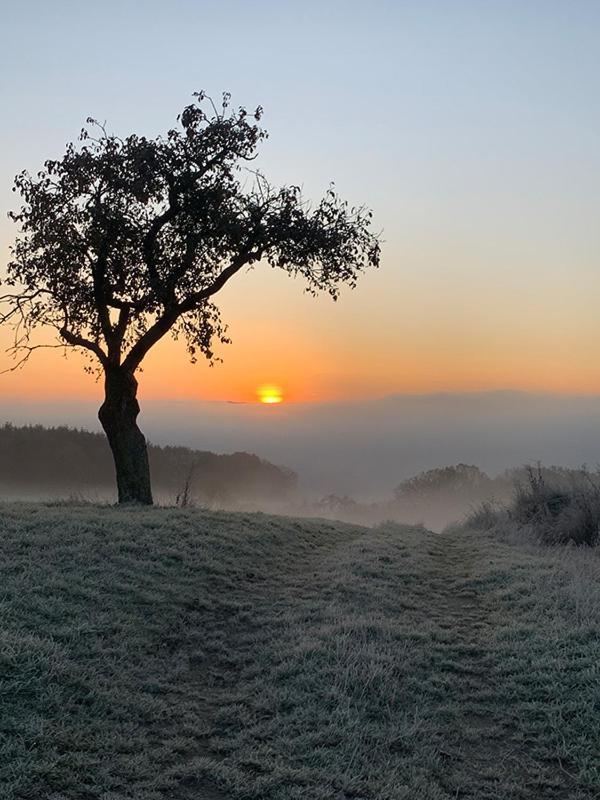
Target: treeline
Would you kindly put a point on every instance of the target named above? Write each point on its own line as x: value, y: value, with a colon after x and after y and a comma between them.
x: 64, y: 460
x: 438, y: 496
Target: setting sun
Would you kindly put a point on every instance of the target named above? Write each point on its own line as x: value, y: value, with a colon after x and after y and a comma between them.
x: 270, y: 395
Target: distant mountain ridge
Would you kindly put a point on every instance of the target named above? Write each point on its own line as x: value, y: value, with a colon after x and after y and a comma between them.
x: 67, y: 460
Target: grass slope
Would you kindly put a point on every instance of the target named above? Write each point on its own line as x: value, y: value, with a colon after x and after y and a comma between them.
x: 185, y: 654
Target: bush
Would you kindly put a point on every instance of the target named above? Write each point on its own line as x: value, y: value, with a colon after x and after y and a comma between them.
x: 485, y: 516
x: 463, y: 480
x: 556, y: 511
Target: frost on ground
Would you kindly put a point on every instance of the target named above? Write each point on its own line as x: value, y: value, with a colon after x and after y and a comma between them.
x: 169, y: 653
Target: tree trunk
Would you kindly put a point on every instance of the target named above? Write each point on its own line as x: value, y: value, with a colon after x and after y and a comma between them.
x: 118, y: 415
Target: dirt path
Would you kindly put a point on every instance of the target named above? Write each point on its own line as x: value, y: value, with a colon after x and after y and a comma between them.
x: 461, y: 615
x: 425, y: 585
x: 485, y: 758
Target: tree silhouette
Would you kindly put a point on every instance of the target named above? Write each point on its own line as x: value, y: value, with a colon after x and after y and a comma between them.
x: 123, y: 241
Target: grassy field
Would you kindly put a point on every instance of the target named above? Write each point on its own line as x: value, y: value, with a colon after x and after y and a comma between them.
x: 185, y: 654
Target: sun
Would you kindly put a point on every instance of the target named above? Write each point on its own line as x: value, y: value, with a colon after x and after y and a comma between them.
x: 270, y: 395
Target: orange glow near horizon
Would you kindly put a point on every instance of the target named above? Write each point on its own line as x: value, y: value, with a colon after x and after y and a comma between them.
x: 270, y: 394
x: 311, y: 350
x: 302, y: 370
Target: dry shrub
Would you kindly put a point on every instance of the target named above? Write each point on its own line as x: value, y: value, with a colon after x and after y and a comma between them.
x: 558, y: 512
x: 485, y: 515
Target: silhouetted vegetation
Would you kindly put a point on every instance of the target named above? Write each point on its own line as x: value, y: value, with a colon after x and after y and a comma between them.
x: 67, y: 461
x: 558, y: 503
x: 460, y: 480
x: 552, y: 505
x: 560, y: 507
x: 124, y: 241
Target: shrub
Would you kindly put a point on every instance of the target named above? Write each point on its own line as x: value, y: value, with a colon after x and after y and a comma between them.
x: 485, y: 516
x: 558, y: 512
x: 460, y: 479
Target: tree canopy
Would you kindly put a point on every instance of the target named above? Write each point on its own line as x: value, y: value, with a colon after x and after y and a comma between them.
x: 124, y: 240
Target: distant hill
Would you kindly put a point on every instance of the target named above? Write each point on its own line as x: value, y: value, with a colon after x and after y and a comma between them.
x: 64, y: 460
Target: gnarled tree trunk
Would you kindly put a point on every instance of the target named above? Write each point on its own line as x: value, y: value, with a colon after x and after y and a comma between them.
x: 118, y: 415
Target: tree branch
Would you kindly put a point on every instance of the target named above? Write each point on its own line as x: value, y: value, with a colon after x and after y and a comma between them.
x: 193, y: 300
x: 153, y: 335
x: 79, y: 341
x: 149, y: 242
x: 28, y: 351
x: 121, y: 326
x: 98, y: 277
x: 165, y: 322
x: 19, y: 300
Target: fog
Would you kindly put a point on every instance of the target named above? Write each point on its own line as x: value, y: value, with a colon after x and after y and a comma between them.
x: 364, y: 449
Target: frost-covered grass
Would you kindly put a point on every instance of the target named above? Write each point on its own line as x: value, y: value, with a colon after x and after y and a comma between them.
x: 169, y: 653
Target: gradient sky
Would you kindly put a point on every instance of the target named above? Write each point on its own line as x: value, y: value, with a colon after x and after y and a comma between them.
x: 471, y: 128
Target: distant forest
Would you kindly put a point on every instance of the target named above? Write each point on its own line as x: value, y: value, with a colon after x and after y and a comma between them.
x: 62, y: 460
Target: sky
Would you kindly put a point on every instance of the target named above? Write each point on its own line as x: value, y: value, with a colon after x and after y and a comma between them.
x: 471, y: 129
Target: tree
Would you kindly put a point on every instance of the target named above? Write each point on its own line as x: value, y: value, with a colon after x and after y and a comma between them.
x: 123, y: 241
x: 458, y: 480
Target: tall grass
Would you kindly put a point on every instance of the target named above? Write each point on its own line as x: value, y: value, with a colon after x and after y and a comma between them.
x: 559, y: 511
x: 553, y: 507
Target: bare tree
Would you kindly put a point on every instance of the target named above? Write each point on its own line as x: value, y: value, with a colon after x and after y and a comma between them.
x: 123, y: 241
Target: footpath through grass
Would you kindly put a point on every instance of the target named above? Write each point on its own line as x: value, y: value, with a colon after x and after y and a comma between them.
x: 185, y: 654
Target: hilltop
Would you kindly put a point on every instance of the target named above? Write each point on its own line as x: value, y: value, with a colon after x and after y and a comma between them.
x: 175, y: 653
